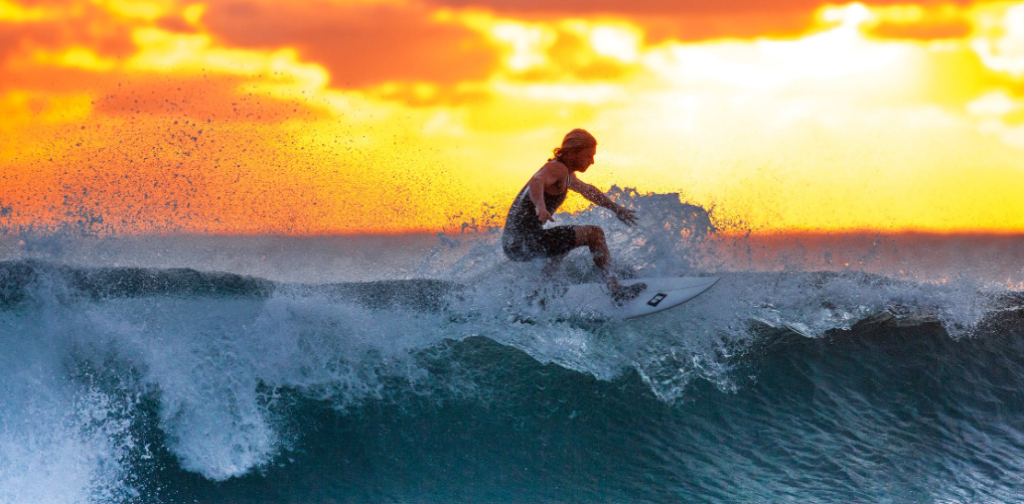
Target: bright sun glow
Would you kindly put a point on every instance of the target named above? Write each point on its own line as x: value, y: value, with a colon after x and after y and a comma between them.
x: 399, y: 115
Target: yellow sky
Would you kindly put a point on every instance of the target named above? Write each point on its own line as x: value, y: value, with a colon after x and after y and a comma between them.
x: 251, y: 116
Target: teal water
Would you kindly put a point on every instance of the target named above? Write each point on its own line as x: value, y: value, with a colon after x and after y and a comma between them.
x: 175, y: 385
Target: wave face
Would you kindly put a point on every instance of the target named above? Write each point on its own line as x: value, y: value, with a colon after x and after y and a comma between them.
x: 133, y: 371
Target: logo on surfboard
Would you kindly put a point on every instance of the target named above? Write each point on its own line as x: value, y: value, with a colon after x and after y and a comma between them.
x: 657, y: 299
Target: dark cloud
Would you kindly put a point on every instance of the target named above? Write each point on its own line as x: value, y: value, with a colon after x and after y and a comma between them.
x: 359, y: 44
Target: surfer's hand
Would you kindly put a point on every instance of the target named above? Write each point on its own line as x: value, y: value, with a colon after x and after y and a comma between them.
x: 544, y: 215
x: 626, y: 215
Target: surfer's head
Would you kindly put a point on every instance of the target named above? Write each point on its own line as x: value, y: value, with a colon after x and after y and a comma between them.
x: 577, y: 150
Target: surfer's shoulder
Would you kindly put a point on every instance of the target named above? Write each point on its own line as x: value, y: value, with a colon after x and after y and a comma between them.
x: 555, y: 167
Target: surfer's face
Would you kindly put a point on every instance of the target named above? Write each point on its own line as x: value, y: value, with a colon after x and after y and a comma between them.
x: 582, y: 159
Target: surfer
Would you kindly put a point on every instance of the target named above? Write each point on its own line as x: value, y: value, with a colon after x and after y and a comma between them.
x: 525, y: 238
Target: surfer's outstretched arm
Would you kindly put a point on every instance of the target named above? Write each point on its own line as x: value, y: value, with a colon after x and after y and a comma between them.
x: 595, y: 196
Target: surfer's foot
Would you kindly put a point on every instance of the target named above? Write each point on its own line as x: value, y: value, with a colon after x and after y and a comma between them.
x: 623, y: 294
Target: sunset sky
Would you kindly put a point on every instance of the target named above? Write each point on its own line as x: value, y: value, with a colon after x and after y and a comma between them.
x: 370, y: 116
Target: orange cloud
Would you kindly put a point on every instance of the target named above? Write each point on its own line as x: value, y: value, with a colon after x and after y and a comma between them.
x: 695, y: 20
x: 568, y: 50
x: 247, y: 116
x: 925, y: 30
x: 359, y: 43
x: 654, y: 7
x: 47, y: 26
x: 698, y: 26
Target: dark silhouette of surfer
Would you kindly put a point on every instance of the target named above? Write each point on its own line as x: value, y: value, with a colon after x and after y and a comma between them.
x: 525, y: 237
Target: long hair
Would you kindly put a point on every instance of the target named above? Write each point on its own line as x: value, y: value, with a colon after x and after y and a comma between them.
x: 574, y: 140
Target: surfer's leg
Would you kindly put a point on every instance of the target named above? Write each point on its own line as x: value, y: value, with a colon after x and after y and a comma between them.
x: 593, y: 237
x: 556, y: 243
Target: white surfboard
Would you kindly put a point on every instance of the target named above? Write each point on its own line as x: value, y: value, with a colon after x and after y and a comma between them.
x: 660, y: 294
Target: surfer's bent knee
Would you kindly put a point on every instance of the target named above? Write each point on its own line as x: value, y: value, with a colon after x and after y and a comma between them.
x: 539, y: 243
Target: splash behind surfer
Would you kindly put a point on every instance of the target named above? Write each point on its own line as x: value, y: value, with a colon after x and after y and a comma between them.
x: 525, y: 237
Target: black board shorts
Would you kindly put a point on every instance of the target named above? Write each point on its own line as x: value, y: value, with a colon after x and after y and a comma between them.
x: 534, y: 244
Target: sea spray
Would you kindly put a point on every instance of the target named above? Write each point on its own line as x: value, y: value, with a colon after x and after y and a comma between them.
x: 173, y: 380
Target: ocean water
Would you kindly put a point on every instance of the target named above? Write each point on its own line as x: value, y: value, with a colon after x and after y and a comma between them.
x: 421, y: 369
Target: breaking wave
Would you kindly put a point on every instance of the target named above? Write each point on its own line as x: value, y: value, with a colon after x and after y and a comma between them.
x: 797, y: 377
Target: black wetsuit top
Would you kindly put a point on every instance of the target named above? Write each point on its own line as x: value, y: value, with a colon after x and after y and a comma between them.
x: 525, y: 238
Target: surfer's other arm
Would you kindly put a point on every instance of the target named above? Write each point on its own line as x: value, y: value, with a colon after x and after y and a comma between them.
x: 595, y: 196
x: 550, y: 175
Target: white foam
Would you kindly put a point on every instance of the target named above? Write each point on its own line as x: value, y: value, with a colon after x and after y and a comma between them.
x: 64, y: 441
x: 61, y: 441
